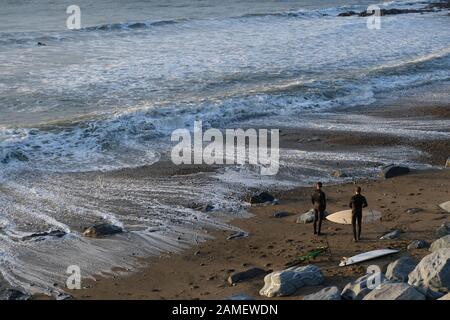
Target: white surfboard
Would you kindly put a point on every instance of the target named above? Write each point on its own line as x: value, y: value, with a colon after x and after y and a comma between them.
x: 366, y: 256
x: 345, y: 216
x: 445, y: 206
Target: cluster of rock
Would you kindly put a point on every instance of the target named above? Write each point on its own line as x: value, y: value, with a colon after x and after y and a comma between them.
x: 405, y: 279
x: 383, y: 12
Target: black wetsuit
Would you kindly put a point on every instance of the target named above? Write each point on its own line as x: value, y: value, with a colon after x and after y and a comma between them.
x: 319, y: 201
x: 357, y: 203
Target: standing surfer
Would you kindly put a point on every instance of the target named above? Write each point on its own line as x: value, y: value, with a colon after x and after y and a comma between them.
x: 357, y: 203
x: 319, y: 201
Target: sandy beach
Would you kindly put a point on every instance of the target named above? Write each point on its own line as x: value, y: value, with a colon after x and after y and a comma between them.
x: 201, y: 272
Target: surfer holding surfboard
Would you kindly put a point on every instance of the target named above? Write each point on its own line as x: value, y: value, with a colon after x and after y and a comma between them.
x: 357, y: 203
x: 319, y: 202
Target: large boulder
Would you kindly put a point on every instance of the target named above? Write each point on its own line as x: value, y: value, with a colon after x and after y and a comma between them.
x: 102, y: 230
x: 432, y: 275
x: 443, y: 230
x: 288, y: 281
x: 330, y: 293
x: 392, y: 170
x: 262, y: 197
x: 394, y: 291
x: 441, y: 243
x: 418, y: 244
x: 400, y: 269
x: 246, y: 275
x: 358, y: 289
x: 307, y: 217
x: 447, y: 163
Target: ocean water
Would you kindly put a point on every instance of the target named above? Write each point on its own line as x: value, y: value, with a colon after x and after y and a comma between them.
x: 106, y: 97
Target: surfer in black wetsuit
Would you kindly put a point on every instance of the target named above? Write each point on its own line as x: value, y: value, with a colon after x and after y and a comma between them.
x: 319, y: 202
x: 357, y: 203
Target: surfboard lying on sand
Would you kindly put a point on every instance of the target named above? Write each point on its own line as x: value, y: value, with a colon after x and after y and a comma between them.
x: 345, y: 216
x: 445, y: 206
x: 366, y: 256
